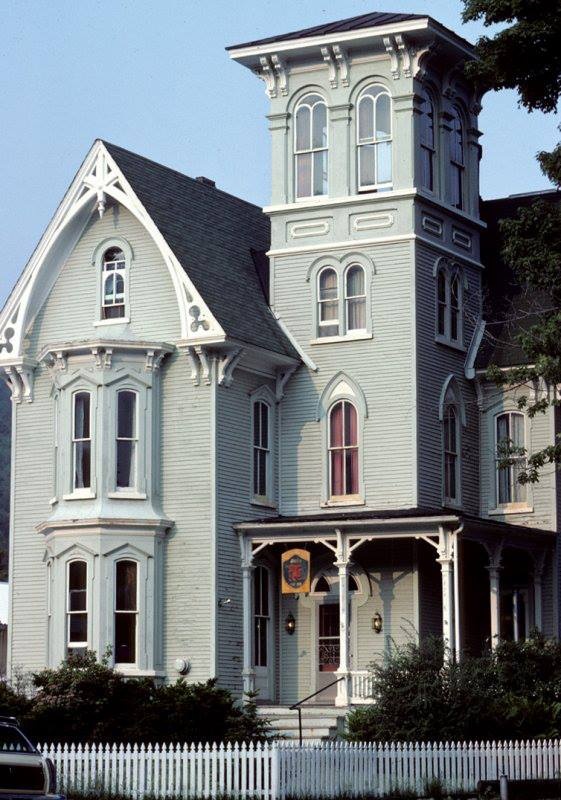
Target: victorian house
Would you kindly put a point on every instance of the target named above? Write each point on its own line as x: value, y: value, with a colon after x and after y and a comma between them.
x: 260, y: 445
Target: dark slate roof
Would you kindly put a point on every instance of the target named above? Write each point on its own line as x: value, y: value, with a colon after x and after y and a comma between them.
x: 508, y: 308
x: 214, y: 236
x: 371, y: 20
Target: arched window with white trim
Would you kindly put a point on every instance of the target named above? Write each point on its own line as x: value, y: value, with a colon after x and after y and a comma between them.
x: 344, y: 479
x: 374, y: 139
x: 113, y: 284
x: 127, y: 440
x: 310, y: 146
x: 126, y: 612
x: 449, y: 304
x: 328, y: 303
x: 76, y: 608
x: 355, y: 298
x: 428, y: 142
x: 261, y: 450
x: 457, y: 160
x: 510, y: 442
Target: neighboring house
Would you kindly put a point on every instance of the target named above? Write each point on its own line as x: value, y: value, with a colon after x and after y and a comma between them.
x: 186, y: 412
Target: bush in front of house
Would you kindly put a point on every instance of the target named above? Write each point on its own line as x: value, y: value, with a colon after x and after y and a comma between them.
x: 86, y: 700
x: 513, y: 692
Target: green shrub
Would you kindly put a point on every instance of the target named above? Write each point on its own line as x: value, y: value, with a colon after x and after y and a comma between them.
x: 513, y: 692
x: 86, y: 700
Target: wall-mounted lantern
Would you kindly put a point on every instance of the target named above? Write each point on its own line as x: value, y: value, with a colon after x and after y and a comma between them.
x: 290, y: 624
x: 377, y: 623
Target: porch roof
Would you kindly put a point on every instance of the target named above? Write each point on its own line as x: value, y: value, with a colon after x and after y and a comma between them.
x: 412, y: 520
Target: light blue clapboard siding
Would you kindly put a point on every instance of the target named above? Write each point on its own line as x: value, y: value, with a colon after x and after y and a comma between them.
x: 435, y: 362
x: 381, y: 366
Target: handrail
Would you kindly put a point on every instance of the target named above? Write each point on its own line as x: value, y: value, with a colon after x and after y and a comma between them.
x: 298, y: 706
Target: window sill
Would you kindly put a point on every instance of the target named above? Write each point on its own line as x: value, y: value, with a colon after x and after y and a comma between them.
x: 115, y: 321
x: 79, y: 495
x: 350, y: 337
x: 511, y: 508
x: 262, y: 502
x: 127, y: 495
x: 449, y: 343
x: 131, y: 671
x: 350, y: 500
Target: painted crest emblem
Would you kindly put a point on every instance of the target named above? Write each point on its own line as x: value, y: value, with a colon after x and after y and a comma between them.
x: 296, y: 571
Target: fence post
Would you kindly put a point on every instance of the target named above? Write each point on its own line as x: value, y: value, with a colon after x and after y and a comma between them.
x: 274, y: 776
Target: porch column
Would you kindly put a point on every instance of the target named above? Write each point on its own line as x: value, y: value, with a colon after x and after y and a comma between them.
x: 495, y: 602
x: 342, y: 564
x: 248, y: 674
x: 446, y: 561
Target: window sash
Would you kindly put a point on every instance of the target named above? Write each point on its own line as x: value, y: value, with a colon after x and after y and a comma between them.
x: 311, y: 148
x: 451, y: 433
x: 449, y: 305
x: 125, y: 612
x: 113, y: 287
x: 76, y: 607
x: 81, y: 441
x: 343, y: 450
x: 374, y: 146
x: 510, y: 428
x: 126, y: 440
x: 355, y: 299
x: 261, y: 448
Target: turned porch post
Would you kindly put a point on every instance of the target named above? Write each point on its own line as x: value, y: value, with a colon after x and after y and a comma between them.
x: 342, y: 564
x: 446, y: 561
x: 495, y: 603
x: 539, y: 559
x: 247, y: 605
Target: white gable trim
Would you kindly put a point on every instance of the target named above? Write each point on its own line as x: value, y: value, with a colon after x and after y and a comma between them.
x: 98, y: 177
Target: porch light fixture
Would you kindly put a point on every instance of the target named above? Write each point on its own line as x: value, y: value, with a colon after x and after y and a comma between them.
x: 290, y: 624
x: 377, y: 623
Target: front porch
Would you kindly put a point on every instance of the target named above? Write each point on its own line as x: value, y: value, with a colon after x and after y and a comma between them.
x: 377, y: 581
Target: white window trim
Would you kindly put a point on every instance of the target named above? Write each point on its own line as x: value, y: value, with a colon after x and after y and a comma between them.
x: 295, y: 153
x: 341, y: 267
x: 427, y: 95
x: 523, y: 506
x: 344, y: 499
x: 76, y: 645
x: 127, y: 665
x: 144, y: 423
x: 130, y: 491
x: 97, y: 262
x: 264, y: 395
x: 450, y: 271
x: 89, y: 491
x: 375, y: 187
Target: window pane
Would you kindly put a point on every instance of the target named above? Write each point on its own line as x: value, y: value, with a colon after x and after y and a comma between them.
x: 427, y: 168
x: 517, y: 432
x: 351, y: 432
x: 82, y: 415
x: 504, y: 486
x: 319, y: 126
x: 355, y: 282
x: 303, y: 128
x: 337, y: 472
x: 320, y: 172
x: 367, y: 169
x: 366, y: 119
x: 78, y: 628
x: 356, y: 314
x: 304, y: 175
x: 264, y: 414
x: 262, y: 473
x: 328, y: 285
x: 383, y: 117
x: 112, y: 255
x: 256, y: 426
x: 125, y: 638
x: 503, y: 434
x: 456, y: 187
x: 82, y: 465
x: 77, y: 585
x: 329, y: 311
x: 126, y: 414
x: 126, y: 450
x: 351, y: 471
x: 518, y: 489
x: 126, y: 586
x: 336, y: 425
x: 384, y: 162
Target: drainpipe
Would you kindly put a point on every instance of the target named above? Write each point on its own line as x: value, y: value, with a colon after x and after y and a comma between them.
x: 455, y: 534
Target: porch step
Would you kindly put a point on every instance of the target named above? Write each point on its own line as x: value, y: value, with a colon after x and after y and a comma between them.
x: 318, y: 722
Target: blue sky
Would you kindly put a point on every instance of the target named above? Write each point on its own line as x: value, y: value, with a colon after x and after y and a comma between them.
x: 154, y: 77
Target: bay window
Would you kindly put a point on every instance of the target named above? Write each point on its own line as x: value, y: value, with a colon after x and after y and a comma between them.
x: 82, y: 441
x: 127, y: 439
x: 76, y: 608
x: 126, y: 611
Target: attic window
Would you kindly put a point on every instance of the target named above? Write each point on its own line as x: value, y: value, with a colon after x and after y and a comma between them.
x: 113, y: 282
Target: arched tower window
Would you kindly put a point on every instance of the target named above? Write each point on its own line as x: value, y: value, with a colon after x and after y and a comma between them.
x: 451, y: 445
x: 355, y: 299
x: 113, y: 284
x: 310, y: 146
x: 428, y: 142
x: 343, y: 450
x: 328, y: 303
x: 374, y: 139
x: 457, y: 160
x: 510, y: 441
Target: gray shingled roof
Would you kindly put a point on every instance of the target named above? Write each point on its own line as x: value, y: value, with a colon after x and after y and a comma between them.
x: 214, y: 236
x: 371, y: 20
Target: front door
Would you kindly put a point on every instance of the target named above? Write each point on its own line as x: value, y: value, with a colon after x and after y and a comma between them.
x: 327, y: 652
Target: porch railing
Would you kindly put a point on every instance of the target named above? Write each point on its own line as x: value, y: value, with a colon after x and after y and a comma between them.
x: 361, y: 687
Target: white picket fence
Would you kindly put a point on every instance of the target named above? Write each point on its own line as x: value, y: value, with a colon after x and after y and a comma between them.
x: 277, y: 770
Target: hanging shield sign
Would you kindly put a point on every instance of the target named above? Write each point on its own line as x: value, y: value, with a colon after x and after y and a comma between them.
x: 295, y: 571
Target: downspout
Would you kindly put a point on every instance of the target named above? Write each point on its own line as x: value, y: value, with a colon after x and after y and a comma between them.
x: 455, y: 535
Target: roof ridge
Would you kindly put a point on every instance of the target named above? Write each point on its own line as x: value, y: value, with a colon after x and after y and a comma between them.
x: 181, y: 174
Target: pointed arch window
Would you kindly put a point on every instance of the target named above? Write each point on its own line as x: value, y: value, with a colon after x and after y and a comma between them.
x: 343, y: 450
x: 355, y: 298
x: 451, y: 444
x: 374, y: 139
x: 428, y: 142
x: 261, y: 450
x: 449, y: 305
x: 457, y: 160
x: 113, y: 284
x: 310, y: 146
x: 510, y: 441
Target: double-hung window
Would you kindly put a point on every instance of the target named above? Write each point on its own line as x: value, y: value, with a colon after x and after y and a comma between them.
x: 113, y: 284
x: 127, y: 439
x: 341, y: 312
x: 449, y: 303
x: 328, y: 303
x: 261, y: 450
x: 451, y: 442
x: 355, y: 299
x: 427, y: 143
x: 343, y: 450
x: 374, y: 139
x: 457, y: 160
x: 77, y: 608
x: 310, y: 146
x: 510, y: 443
x: 81, y: 442
x: 126, y: 612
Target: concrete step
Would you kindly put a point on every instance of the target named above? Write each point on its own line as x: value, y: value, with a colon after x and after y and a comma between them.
x: 318, y: 722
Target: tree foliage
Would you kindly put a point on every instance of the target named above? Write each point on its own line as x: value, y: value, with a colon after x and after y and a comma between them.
x: 526, y: 55
x: 513, y: 692
x: 86, y: 700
